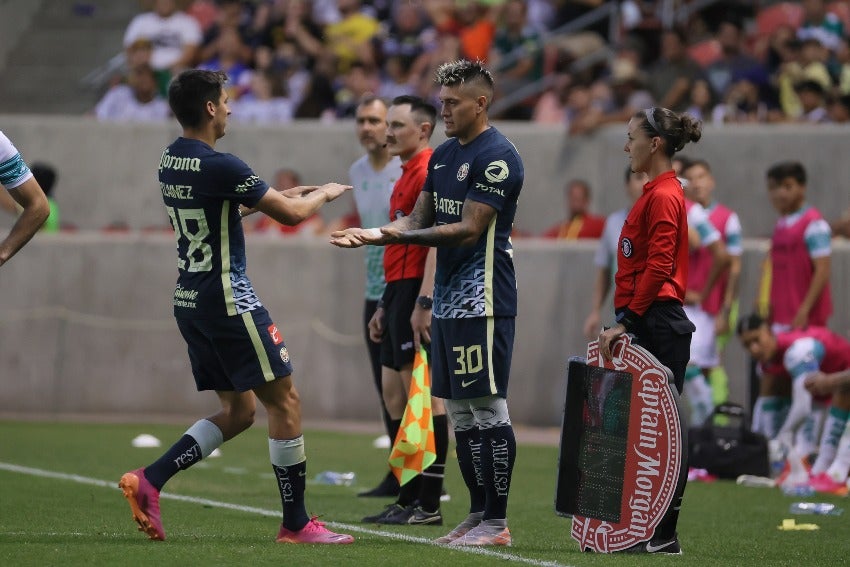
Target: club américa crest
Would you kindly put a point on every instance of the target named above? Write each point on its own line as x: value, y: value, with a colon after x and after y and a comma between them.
x: 463, y: 171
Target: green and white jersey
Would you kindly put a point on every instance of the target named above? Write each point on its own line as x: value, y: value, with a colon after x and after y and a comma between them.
x: 372, y: 190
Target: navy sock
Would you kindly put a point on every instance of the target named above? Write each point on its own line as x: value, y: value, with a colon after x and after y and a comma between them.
x: 292, y: 482
x: 498, y: 453
x: 433, y: 476
x: 182, y: 455
x: 469, y: 460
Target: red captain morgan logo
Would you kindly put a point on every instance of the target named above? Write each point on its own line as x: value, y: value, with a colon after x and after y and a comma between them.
x: 653, y: 453
x: 275, y: 334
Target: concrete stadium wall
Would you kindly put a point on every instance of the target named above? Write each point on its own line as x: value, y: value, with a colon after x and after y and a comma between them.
x: 108, y: 171
x: 86, y: 326
x: 85, y: 319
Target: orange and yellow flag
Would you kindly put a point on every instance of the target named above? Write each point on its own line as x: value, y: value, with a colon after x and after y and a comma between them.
x: 414, y: 449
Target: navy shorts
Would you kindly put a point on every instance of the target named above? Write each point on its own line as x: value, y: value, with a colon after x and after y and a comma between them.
x: 397, y: 344
x: 239, y: 353
x: 471, y: 358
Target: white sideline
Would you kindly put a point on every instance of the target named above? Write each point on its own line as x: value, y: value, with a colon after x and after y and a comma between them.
x: 10, y: 467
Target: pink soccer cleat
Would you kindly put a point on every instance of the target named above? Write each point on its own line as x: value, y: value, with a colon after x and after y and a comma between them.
x: 314, y: 532
x: 824, y: 483
x: 144, y: 503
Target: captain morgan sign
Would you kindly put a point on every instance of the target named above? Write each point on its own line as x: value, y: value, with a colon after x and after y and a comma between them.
x: 653, y: 453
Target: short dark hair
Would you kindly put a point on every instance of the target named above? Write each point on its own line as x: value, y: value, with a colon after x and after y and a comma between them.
x: 465, y: 72
x: 583, y: 184
x: 751, y: 322
x: 786, y: 169
x: 422, y: 110
x: 45, y: 175
x: 189, y: 93
x: 696, y: 162
x: 369, y: 98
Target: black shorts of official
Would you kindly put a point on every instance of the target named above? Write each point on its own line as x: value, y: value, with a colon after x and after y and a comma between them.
x: 397, y: 345
x: 665, y: 331
x: 471, y: 358
x: 240, y: 352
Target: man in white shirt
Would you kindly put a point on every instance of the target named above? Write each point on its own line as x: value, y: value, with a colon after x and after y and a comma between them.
x: 175, y: 35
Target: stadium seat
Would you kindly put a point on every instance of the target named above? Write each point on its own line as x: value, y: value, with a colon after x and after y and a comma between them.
x: 705, y: 52
x: 782, y: 14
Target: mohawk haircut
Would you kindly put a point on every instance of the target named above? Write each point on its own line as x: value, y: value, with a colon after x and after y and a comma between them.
x: 462, y: 71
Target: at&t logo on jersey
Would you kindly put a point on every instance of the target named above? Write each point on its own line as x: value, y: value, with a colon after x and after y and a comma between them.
x: 463, y: 171
x: 497, y: 171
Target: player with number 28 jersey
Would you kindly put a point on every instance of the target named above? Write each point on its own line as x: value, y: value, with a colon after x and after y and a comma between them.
x: 202, y: 190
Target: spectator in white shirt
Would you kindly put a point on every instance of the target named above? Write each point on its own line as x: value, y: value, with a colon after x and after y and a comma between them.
x: 266, y: 103
x: 175, y: 36
x: 136, y: 101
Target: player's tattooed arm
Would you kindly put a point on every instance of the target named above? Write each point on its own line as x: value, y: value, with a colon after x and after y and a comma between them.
x: 475, y: 218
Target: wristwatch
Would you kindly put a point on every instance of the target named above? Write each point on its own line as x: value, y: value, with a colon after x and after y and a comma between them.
x: 424, y: 302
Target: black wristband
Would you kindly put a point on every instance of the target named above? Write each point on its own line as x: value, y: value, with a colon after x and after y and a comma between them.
x: 380, y: 304
x: 628, y: 319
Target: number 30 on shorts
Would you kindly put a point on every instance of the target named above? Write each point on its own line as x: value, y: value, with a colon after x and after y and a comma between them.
x: 469, y: 359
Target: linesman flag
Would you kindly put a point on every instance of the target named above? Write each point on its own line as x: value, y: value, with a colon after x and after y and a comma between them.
x: 414, y: 450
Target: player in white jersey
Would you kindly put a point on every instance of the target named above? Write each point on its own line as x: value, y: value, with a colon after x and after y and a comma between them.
x: 18, y: 180
x: 703, y: 236
x: 605, y: 258
x: 372, y: 177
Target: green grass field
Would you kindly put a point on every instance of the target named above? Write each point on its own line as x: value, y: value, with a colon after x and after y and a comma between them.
x: 59, y: 505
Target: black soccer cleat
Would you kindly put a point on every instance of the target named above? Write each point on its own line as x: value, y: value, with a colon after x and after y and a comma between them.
x: 388, y: 488
x: 393, y: 514
x: 668, y: 547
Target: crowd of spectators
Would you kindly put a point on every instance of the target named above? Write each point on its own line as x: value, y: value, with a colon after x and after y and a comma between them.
x: 733, y: 61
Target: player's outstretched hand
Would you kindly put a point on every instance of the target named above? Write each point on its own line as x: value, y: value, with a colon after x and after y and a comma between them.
x: 300, y: 191
x: 348, y: 238
x: 334, y: 190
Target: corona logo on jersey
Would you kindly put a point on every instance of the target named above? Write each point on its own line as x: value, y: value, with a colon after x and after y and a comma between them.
x: 650, y: 455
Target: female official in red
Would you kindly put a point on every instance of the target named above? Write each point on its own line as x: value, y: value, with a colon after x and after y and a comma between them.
x: 652, y: 270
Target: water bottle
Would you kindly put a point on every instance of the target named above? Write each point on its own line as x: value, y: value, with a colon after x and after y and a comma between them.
x: 819, y: 508
x: 755, y: 481
x: 336, y: 478
x: 798, y: 490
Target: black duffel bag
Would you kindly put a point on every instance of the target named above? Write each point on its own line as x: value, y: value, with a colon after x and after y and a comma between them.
x: 728, y: 451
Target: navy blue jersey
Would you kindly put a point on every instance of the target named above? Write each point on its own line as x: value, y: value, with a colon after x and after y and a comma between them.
x: 478, y: 280
x: 202, y: 190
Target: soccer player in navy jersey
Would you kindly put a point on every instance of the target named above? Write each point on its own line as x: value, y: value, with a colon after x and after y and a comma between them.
x: 234, y: 347
x: 19, y: 181
x: 466, y: 210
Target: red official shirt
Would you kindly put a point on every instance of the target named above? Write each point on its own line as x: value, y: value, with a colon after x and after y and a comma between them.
x: 402, y: 261
x: 652, y: 263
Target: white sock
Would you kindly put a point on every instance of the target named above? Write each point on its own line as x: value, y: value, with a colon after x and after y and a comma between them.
x: 768, y: 415
x: 698, y: 393
x: 807, y: 437
x: 840, y: 467
x: 207, y: 434
x: 833, y: 429
x: 801, y: 408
